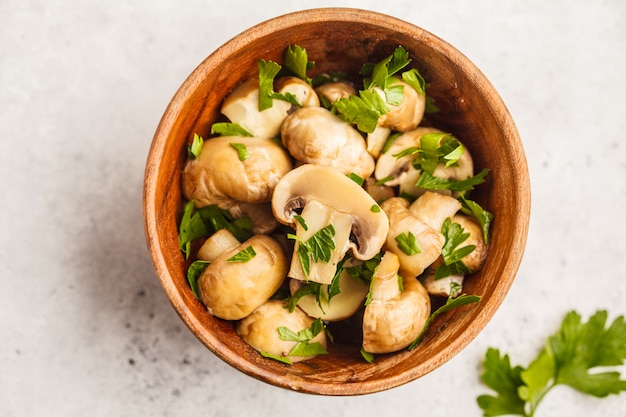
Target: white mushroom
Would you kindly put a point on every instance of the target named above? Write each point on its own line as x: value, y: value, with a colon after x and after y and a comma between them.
x: 219, y: 176
x: 261, y: 216
x: 395, y: 316
x: 400, y: 170
x: 231, y: 287
x: 303, y: 92
x: 404, y: 226
x: 316, y: 136
x: 327, y: 197
x: 260, y: 330
x: 409, y: 113
x: 433, y: 208
x: 334, y: 91
x: 339, y: 307
x: 376, y: 140
x: 241, y: 106
x: 395, y: 168
x: 441, y: 287
x: 475, y: 260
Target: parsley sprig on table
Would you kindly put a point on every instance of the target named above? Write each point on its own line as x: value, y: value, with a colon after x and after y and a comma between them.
x: 578, y: 355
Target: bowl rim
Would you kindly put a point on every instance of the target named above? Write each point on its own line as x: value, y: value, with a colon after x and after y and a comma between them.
x: 174, y: 294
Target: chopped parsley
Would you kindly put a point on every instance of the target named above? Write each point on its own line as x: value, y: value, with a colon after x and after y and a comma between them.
x: 193, y: 273
x: 195, y: 147
x: 229, y: 129
x: 304, y: 347
x: 431, y: 182
x: 317, y: 248
x: 451, y: 253
x: 244, y: 255
x: 242, y: 150
x: 407, y: 243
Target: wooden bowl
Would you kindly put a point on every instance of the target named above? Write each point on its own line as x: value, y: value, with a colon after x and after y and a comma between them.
x: 344, y: 39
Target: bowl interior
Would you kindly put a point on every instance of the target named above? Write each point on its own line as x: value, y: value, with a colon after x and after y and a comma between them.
x: 342, y: 40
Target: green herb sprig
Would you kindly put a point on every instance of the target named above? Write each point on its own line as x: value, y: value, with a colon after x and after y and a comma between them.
x: 580, y: 355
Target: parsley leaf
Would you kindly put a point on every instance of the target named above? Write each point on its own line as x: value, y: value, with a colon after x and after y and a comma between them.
x: 304, y: 347
x: 229, y: 129
x: 505, y: 380
x: 296, y: 61
x: 450, y: 304
x: 413, y: 78
x: 195, y: 147
x: 318, y: 247
x: 431, y: 182
x: 202, y: 222
x: 356, y: 178
x: 244, y: 255
x: 571, y: 356
x: 482, y: 216
x: 407, y: 243
x: 193, y: 273
x: 451, y: 253
x: 242, y: 150
x: 362, y: 110
x: 309, y: 288
x: 438, y: 148
x: 267, y: 71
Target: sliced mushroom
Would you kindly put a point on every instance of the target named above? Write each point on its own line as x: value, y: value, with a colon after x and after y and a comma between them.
x: 241, y: 106
x: 475, y: 260
x: 219, y: 176
x: 434, y: 208
x: 395, y: 316
x: 409, y: 113
x: 327, y: 197
x: 316, y: 136
x: 260, y: 329
x: 404, y: 224
x: 339, y: 307
x: 231, y: 289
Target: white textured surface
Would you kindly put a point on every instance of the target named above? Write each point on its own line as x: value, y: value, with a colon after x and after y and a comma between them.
x: 86, y: 329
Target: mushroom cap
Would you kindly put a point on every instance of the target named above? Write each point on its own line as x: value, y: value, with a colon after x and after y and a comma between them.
x: 434, y: 208
x: 335, y: 190
x: 241, y: 106
x: 391, y: 325
x: 316, y: 136
x: 409, y: 113
x: 218, y: 176
x: 336, y: 90
x: 260, y: 329
x: 233, y: 290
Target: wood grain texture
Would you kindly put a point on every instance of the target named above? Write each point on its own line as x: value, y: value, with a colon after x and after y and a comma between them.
x: 342, y: 40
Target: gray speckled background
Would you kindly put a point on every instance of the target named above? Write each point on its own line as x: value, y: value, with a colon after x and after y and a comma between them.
x: 85, y: 327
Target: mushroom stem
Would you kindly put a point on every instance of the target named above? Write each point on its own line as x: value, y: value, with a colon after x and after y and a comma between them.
x: 216, y: 244
x: 317, y: 216
x: 385, y: 279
